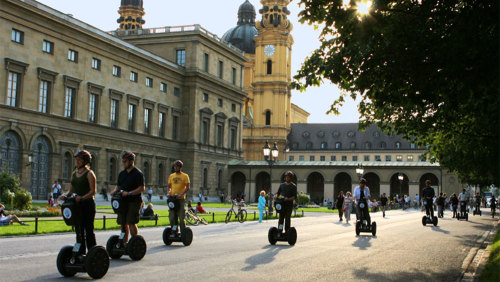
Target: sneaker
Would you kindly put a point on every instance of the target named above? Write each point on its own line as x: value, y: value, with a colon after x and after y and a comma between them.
x: 24, y: 223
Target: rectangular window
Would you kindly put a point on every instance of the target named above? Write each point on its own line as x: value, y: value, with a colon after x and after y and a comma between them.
x: 96, y: 64
x: 68, y: 102
x: 219, y: 102
x: 412, y: 146
x: 13, y: 88
x: 399, y: 158
x: 322, y: 158
x: 312, y: 158
x: 204, y: 132
x: 205, y: 97
x: 344, y: 158
x: 333, y: 158
x: 366, y: 158
x: 133, y: 76
x: 233, y: 77
x: 147, y: 121
x: 409, y: 158
x: 117, y: 71
x: 163, y: 87
x: 177, y: 92
x: 73, y: 56
x: 48, y: 47
x: 291, y: 158
x: 232, y: 138
x: 114, y: 113
x: 181, y: 57
x: 220, y: 136
x: 161, y: 125
x: 378, y: 158
x: 301, y: 158
x: 354, y: 158
x: 17, y: 36
x: 233, y: 107
x: 175, y: 125
x: 44, y: 96
x: 206, y: 62
x: 93, y: 108
x: 388, y: 158
x: 131, y: 117
x: 221, y: 69
x: 149, y: 82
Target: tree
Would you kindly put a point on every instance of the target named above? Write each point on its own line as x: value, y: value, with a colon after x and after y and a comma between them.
x: 426, y: 69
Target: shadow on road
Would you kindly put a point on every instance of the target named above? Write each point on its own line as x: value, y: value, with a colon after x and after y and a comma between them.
x: 408, y: 275
x: 265, y: 257
x: 363, y: 242
x: 438, y: 229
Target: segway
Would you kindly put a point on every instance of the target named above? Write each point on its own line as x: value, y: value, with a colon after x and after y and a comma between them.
x: 477, y: 209
x: 172, y: 234
x: 136, y: 246
x: 463, y: 214
x: 426, y: 219
x: 362, y: 223
x: 276, y: 234
x: 71, y: 259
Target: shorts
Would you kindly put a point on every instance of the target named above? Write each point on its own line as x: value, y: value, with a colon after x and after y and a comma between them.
x: 130, y: 213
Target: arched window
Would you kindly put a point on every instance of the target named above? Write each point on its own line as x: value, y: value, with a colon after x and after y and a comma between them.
x: 112, y: 170
x: 398, y: 145
x: 383, y: 145
x: 324, y: 145
x: 353, y: 145
x: 68, y: 165
x: 146, y: 172
x: 338, y: 145
x: 268, y: 117
x: 269, y: 67
x: 309, y: 145
x: 161, y: 175
x: 368, y: 146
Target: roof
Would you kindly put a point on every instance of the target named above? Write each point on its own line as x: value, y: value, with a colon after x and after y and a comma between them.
x: 242, y: 35
x: 332, y: 164
x: 310, y: 136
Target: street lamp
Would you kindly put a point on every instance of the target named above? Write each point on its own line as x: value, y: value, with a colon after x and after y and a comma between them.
x: 360, y: 171
x: 400, y: 177
x: 270, y: 155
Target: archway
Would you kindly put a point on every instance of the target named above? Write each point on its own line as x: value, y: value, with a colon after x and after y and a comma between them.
x: 262, y: 182
x: 395, y: 184
x: 316, y: 187
x: 40, y: 166
x: 374, y: 184
x: 238, y: 181
x: 10, y: 152
x: 428, y: 176
x: 341, y: 182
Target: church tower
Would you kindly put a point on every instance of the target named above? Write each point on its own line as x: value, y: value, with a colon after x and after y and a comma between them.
x: 131, y: 14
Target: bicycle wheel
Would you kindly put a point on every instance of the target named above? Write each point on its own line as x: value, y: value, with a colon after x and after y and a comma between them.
x: 203, y: 220
x: 228, y: 216
x: 190, y: 219
x: 242, y: 216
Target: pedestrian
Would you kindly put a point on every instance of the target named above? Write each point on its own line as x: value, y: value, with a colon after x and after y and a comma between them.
x: 440, y: 204
x: 262, y: 204
x: 56, y: 190
x: 200, y: 195
x: 340, y: 204
x: 383, y: 202
x: 454, y: 204
x: 150, y: 194
x: 222, y: 197
x: 417, y: 201
x: 347, y: 207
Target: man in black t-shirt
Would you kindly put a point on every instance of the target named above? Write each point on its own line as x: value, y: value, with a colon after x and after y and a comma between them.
x: 289, y: 192
x: 131, y: 182
x: 383, y: 203
x: 440, y: 204
x: 428, y: 194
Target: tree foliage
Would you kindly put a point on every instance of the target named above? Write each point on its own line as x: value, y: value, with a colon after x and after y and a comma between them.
x: 426, y: 69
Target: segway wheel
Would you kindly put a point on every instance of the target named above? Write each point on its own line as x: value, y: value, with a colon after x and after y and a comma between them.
x: 424, y: 220
x: 111, y: 245
x: 374, y: 228
x: 97, y: 262
x: 272, y: 235
x: 228, y: 217
x: 291, y: 236
x: 136, y: 247
x: 187, y: 236
x: 166, y: 235
x: 358, y: 228
x: 435, y: 221
x: 466, y: 217
x: 62, y: 259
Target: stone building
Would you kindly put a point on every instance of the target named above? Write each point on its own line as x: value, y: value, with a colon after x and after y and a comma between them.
x: 166, y: 93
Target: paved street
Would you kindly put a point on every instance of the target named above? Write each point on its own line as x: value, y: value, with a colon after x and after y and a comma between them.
x: 326, y: 250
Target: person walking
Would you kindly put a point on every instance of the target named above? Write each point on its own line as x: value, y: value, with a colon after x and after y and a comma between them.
x: 383, y: 203
x: 200, y: 195
x: 262, y: 204
x: 347, y: 207
x: 150, y: 194
x: 340, y: 204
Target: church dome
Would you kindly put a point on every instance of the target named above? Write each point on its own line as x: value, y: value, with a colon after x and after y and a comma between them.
x: 242, y: 35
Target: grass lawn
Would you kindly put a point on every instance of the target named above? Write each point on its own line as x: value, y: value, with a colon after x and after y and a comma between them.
x: 491, y: 271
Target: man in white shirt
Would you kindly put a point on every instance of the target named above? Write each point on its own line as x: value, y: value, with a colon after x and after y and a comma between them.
x: 56, y: 190
x: 362, y: 194
x: 417, y: 201
x: 462, y: 198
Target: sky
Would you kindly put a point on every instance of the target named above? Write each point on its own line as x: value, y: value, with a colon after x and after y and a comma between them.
x: 218, y: 16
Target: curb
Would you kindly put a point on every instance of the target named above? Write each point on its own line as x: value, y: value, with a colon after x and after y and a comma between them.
x: 478, y: 256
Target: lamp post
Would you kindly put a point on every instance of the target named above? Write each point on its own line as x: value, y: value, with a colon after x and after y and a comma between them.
x: 270, y: 155
x: 400, y: 177
x: 360, y: 171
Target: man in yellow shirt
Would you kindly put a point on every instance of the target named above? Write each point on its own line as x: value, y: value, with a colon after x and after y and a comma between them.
x: 178, y: 187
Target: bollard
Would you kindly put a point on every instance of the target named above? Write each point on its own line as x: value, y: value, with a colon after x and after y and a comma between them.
x: 103, y: 222
x: 36, y: 225
x: 213, y: 216
x: 156, y: 220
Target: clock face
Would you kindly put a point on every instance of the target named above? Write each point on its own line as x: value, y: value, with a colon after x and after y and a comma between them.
x: 269, y: 50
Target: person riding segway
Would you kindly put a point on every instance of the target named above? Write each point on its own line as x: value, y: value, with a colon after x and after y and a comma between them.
x: 126, y: 201
x: 428, y: 194
x: 79, y: 211
x: 363, y: 219
x: 287, y: 193
x: 477, y: 205
x: 178, y: 187
x: 493, y: 206
x: 463, y: 198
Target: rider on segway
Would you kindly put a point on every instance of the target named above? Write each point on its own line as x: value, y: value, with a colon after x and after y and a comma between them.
x: 131, y: 184
x: 493, y: 205
x: 463, y: 199
x: 289, y: 191
x: 362, y: 194
x: 428, y: 194
x: 477, y: 204
x: 178, y: 187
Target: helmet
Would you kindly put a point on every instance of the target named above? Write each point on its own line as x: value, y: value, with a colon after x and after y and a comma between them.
x: 179, y: 163
x: 289, y: 173
x: 128, y: 156
x: 85, y: 155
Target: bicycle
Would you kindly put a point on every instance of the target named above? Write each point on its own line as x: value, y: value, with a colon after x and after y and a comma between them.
x: 240, y: 216
x: 194, y: 219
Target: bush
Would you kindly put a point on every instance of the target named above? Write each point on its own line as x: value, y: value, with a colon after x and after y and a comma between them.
x: 303, y: 199
x: 8, y: 183
x: 22, y: 200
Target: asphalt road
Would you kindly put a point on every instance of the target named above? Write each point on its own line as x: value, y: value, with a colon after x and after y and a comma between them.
x: 326, y: 250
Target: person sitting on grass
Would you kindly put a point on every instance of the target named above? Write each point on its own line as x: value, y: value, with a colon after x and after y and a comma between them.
x: 148, y: 213
x: 190, y: 207
x: 8, y: 219
x: 199, y: 208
